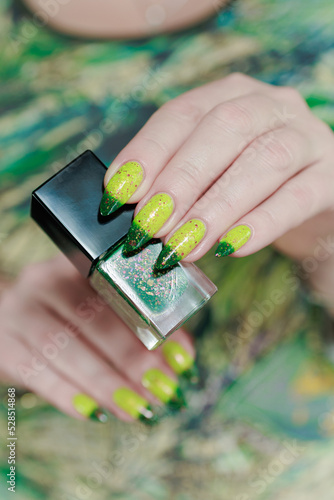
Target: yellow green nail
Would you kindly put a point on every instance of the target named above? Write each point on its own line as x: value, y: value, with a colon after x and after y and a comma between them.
x: 233, y: 240
x: 180, y: 360
x: 148, y: 221
x: 183, y: 241
x: 88, y: 407
x: 164, y: 388
x: 121, y: 187
x: 134, y: 405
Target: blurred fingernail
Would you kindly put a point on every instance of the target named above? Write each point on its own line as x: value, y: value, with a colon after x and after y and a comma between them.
x: 233, y: 240
x: 88, y: 407
x: 180, y: 361
x: 148, y: 221
x: 164, y: 388
x: 183, y: 241
x: 134, y: 405
x: 121, y: 187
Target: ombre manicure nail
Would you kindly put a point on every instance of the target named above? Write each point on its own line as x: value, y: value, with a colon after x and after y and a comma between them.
x: 164, y: 388
x: 152, y: 304
x: 148, y: 221
x: 180, y: 361
x: 233, y: 240
x: 121, y: 187
x: 134, y: 405
x: 183, y: 241
x: 88, y: 407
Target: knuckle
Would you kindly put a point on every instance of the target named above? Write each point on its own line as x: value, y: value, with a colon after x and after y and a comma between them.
x: 32, y: 275
x: 224, y: 204
x: 37, y: 278
x: 188, y: 173
x: 232, y: 117
x: 267, y: 218
x: 276, y: 153
x: 290, y: 94
x: 302, y: 195
x: 155, y: 145
x: 236, y: 78
x: 182, y: 108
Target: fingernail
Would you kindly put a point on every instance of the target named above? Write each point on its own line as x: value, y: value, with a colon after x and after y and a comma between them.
x: 183, y: 241
x: 121, y: 187
x: 233, y: 240
x: 134, y: 405
x: 148, y: 221
x: 180, y: 361
x: 88, y: 407
x: 164, y: 388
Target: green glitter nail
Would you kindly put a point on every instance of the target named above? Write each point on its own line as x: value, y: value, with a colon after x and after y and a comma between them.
x: 164, y: 388
x: 183, y: 241
x: 88, y: 407
x: 233, y: 240
x: 180, y: 361
x: 148, y: 221
x: 134, y: 405
x: 121, y: 187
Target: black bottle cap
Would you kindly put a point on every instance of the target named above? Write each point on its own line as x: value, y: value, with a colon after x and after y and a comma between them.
x: 66, y: 207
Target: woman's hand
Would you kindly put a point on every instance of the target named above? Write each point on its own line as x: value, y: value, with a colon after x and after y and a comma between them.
x: 61, y: 341
x: 237, y: 161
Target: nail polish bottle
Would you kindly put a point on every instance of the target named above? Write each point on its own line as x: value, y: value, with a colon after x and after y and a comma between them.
x: 153, y: 305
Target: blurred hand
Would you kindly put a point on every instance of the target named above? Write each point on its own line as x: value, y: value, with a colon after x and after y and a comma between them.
x: 61, y: 341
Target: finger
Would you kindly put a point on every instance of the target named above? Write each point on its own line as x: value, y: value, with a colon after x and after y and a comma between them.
x: 256, y: 175
x: 296, y: 201
x: 67, y: 354
x: 132, y: 172
x: 229, y: 127
x: 154, y: 370
x: 113, y: 341
x: 49, y: 385
x: 80, y: 305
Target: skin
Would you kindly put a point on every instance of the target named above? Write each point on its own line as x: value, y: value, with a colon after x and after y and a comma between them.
x: 92, y: 358
x: 240, y: 152
x: 225, y: 157
x: 125, y: 19
x: 279, y: 183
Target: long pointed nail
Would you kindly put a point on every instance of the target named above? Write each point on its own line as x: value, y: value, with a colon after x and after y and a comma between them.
x: 121, y: 187
x: 233, y: 240
x: 134, y: 405
x: 164, y: 388
x: 180, y: 361
x: 148, y: 221
x: 88, y: 407
x: 183, y: 241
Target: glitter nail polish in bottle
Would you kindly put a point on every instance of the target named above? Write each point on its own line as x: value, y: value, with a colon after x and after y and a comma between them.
x: 153, y: 305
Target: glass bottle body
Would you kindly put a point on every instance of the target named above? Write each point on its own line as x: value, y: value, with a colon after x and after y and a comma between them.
x: 152, y: 305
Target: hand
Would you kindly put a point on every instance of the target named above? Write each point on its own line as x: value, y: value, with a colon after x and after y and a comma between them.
x: 61, y: 341
x: 237, y: 161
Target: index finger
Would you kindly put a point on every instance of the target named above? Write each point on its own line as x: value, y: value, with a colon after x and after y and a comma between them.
x: 134, y: 170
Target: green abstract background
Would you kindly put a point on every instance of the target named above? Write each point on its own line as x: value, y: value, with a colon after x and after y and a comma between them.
x: 260, y: 425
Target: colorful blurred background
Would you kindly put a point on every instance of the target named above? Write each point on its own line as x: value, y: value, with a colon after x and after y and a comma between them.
x: 261, y: 423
